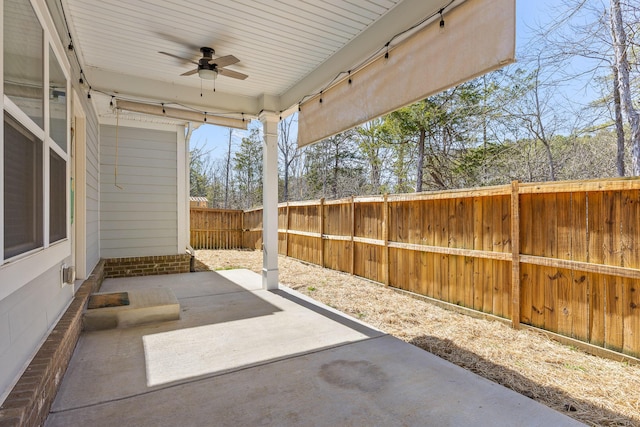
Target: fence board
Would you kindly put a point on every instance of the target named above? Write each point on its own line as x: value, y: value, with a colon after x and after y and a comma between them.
x: 580, y: 305
x: 614, y: 313
x: 631, y: 315
x: 631, y: 229
x: 595, y: 254
x: 478, y: 271
x: 538, y: 246
x: 631, y: 259
x: 497, y: 284
x: 596, y: 305
x: 487, y: 245
x: 580, y: 281
x: 526, y: 294
x: 425, y: 260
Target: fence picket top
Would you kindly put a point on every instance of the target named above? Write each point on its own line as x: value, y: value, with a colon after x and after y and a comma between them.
x: 611, y: 184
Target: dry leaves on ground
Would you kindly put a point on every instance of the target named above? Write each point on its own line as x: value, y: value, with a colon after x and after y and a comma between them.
x: 593, y: 390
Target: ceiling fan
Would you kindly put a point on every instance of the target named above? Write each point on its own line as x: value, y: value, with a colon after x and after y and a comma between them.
x: 208, y: 67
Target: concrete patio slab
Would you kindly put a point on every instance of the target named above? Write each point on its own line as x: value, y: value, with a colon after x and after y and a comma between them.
x: 242, y: 356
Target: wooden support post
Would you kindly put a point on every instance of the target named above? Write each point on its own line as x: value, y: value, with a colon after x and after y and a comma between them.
x: 385, y: 237
x: 353, y: 232
x: 515, y: 259
x: 321, y: 211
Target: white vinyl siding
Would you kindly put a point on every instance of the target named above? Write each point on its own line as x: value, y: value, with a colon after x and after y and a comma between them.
x: 138, y: 217
x: 92, y: 192
x: 25, y: 319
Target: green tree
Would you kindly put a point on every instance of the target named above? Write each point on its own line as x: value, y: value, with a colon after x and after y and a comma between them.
x: 441, y: 126
x: 199, y: 172
x: 373, y: 142
x: 332, y: 167
x: 248, y: 168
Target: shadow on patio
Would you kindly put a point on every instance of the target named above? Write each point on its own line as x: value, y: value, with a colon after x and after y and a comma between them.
x: 241, y: 355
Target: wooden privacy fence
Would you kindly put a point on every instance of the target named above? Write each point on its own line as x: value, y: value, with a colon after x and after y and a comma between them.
x: 216, y: 228
x: 564, y: 257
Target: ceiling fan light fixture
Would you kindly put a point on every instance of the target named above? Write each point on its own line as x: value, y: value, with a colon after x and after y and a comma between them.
x: 207, y: 74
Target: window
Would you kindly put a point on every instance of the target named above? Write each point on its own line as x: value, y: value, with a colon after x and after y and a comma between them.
x: 57, y: 198
x: 57, y: 102
x: 35, y: 135
x: 22, y: 189
x: 23, y: 53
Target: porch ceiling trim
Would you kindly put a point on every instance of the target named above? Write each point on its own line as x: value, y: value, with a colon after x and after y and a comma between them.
x: 478, y: 37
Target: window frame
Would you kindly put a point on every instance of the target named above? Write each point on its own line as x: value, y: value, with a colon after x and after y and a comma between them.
x: 20, y: 269
x: 41, y: 190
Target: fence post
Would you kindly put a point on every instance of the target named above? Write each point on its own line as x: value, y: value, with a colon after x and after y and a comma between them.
x: 321, y: 210
x: 243, y: 238
x: 385, y: 236
x: 353, y: 232
x: 286, y: 234
x: 515, y: 255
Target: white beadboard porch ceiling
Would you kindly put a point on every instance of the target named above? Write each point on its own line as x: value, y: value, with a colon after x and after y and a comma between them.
x: 289, y: 48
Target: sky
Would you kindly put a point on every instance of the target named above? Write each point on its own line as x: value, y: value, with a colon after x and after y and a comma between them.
x: 529, y: 14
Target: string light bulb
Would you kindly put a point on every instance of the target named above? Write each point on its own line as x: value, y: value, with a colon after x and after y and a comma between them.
x: 441, y: 18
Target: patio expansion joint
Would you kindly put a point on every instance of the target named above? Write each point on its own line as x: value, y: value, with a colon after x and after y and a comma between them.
x: 221, y: 374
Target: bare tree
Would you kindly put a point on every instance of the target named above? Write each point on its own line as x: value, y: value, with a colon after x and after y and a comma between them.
x: 289, y: 153
x: 624, y: 87
x: 227, y: 171
x: 372, y: 142
x: 587, y: 30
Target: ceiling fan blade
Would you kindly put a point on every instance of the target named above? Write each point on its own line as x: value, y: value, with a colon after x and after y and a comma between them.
x: 189, y: 73
x: 179, y: 57
x: 232, y: 74
x: 177, y: 40
x: 223, y: 61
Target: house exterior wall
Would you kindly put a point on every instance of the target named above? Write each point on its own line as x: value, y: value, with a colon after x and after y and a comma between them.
x: 92, y: 191
x: 139, y: 211
x: 32, y: 296
x: 25, y: 319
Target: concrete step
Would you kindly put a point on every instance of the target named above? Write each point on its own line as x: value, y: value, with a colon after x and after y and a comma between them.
x: 134, y: 307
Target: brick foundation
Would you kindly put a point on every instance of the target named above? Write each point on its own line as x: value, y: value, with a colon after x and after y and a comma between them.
x: 29, y: 402
x: 147, y: 266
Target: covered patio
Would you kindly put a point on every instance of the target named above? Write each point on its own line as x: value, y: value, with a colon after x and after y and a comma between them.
x: 242, y: 355
x: 125, y: 81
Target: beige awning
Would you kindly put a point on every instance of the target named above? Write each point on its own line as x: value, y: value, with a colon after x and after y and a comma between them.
x: 478, y: 37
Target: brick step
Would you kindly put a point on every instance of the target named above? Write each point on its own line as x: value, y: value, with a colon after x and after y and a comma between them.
x: 134, y: 307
